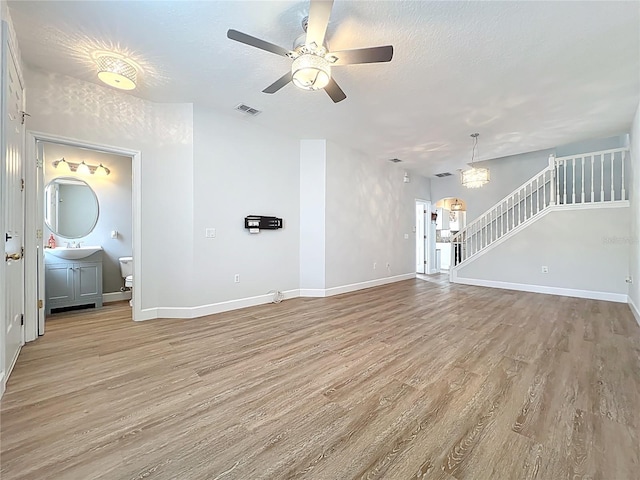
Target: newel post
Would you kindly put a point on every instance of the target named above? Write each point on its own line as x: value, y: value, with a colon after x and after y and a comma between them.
x: 552, y: 166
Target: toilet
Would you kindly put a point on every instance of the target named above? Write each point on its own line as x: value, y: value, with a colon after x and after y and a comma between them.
x: 126, y: 270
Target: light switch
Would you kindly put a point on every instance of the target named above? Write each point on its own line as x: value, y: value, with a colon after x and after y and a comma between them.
x: 114, y: 234
x: 406, y: 236
x: 210, y: 232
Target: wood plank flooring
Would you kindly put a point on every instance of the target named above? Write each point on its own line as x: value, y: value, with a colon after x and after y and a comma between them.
x: 418, y: 379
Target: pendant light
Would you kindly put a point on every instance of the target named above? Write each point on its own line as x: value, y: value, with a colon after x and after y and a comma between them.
x: 474, y: 177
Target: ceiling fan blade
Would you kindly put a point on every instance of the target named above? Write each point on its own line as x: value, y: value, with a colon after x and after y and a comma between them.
x: 256, y: 42
x: 278, y: 84
x: 319, y: 13
x: 334, y: 91
x: 363, y: 55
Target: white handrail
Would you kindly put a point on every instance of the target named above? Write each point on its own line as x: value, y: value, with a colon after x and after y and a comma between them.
x: 588, y: 154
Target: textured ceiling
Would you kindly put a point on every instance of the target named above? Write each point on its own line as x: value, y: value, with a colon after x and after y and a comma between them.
x: 526, y: 75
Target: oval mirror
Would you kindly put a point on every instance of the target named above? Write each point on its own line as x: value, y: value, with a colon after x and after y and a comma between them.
x: 71, y: 207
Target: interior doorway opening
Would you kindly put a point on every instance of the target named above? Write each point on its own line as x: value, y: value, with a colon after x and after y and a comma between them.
x: 88, y: 218
x: 35, y: 268
x: 425, y: 239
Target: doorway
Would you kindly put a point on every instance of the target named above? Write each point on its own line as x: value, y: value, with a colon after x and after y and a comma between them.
x: 424, y: 259
x: 87, y: 205
x: 35, y: 294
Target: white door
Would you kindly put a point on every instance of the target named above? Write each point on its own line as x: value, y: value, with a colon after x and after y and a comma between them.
x: 13, y: 205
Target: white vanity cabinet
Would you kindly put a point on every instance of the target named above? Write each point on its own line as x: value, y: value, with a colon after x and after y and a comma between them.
x: 70, y: 283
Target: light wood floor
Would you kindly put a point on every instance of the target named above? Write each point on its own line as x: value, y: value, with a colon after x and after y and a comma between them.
x: 419, y: 379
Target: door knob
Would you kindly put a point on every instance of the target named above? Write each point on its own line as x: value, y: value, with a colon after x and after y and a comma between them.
x: 12, y: 256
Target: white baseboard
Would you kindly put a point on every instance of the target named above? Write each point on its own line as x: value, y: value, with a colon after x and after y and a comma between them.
x: 213, y: 308
x: 565, y: 292
x: 635, y: 310
x: 312, y: 292
x: 368, y: 284
x: 116, y: 297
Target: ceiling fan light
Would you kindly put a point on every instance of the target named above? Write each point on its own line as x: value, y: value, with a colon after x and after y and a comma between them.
x: 310, y: 72
x: 117, y: 72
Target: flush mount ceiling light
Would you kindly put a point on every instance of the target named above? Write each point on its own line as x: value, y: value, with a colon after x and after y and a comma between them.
x: 474, y: 177
x: 117, y: 72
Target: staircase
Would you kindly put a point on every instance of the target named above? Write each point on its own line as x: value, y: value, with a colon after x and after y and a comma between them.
x: 588, y: 180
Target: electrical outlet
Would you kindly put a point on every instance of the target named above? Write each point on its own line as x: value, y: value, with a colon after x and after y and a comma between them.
x: 210, y: 232
x: 406, y: 236
x: 375, y: 265
x: 236, y: 278
x: 388, y: 265
x: 545, y: 269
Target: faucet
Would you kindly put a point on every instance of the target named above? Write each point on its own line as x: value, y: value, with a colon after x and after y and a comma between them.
x: 79, y: 245
x: 71, y: 244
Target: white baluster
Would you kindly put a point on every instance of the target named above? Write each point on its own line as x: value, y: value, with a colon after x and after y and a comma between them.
x: 582, y: 197
x: 623, y: 193
x: 592, y: 177
x: 613, y: 193
x: 552, y: 193
x: 564, y: 162
x: 602, y: 177
x: 544, y: 190
x: 537, y: 195
x: 573, y: 182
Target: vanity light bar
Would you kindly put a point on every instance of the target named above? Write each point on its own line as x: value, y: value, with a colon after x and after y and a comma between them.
x: 64, y: 165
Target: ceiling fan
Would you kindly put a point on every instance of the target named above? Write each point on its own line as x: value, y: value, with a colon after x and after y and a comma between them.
x: 312, y: 62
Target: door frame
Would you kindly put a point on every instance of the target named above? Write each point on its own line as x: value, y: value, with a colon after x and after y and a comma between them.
x: 34, y: 241
x: 428, y: 256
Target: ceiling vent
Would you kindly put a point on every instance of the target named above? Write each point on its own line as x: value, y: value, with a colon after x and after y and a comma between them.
x: 395, y: 160
x: 445, y: 174
x: 248, y: 110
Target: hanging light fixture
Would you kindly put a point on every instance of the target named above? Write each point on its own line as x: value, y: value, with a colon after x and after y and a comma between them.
x: 474, y: 177
x: 456, y: 206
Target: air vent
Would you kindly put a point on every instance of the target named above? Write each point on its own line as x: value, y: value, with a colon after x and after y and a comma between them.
x: 445, y: 174
x: 248, y: 110
x: 395, y: 160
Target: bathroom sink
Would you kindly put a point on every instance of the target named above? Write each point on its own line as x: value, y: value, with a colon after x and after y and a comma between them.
x: 72, y: 253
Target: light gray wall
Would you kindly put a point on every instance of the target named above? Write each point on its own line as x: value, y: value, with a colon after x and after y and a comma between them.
x: 634, y: 234
x: 369, y: 210
x: 163, y: 133
x: 313, y: 155
x: 241, y: 169
x: 582, y: 248
x: 114, y: 194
